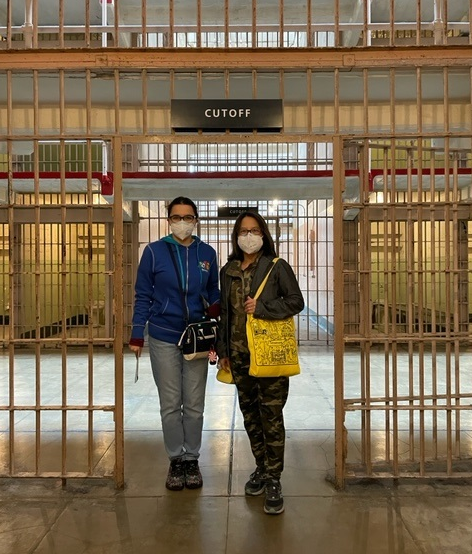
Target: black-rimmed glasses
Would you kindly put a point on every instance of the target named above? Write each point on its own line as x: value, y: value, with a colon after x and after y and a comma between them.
x: 254, y: 231
x: 186, y: 218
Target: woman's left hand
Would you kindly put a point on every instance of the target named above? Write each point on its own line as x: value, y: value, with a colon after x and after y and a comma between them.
x: 250, y: 305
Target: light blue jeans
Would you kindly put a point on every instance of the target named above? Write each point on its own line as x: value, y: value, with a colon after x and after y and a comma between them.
x: 181, y: 386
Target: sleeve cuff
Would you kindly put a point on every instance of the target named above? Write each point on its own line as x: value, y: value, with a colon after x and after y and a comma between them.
x: 136, y: 342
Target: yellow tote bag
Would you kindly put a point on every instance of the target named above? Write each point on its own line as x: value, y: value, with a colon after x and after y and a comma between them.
x: 272, y: 344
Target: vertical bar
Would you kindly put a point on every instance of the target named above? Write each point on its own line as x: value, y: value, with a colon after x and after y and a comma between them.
x: 445, y: 22
x: 226, y: 23
x: 392, y: 23
x: 62, y: 107
x: 422, y: 305
x: 89, y: 295
x: 337, y: 33
x: 309, y: 110
x: 365, y: 82
x: 9, y: 24
x: 394, y: 282
x: 37, y: 291
x: 199, y: 23
x: 365, y: 279
x: 144, y: 103
x: 448, y: 267
x: 388, y: 238
x: 171, y: 24
x: 61, y: 23
x: 411, y: 310
x: 457, y: 311
x: 116, y: 77
x: 87, y: 23
x: 339, y: 413
x: 434, y: 295
x: 254, y: 25
x: 144, y: 35
x: 63, y: 299
x: 12, y: 252
x: 392, y: 76
x: 309, y: 32
x: 88, y: 102
x: 365, y: 23
x: 418, y: 23
x: 281, y: 24
x: 116, y: 22
x: 35, y: 24
x: 336, y: 100
x: 118, y: 303
x: 37, y: 274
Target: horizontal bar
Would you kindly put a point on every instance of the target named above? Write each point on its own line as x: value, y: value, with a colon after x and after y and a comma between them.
x: 241, y: 28
x: 408, y: 398
x: 352, y: 474
x: 57, y: 475
x: 241, y: 58
x: 70, y: 341
x: 57, y: 408
x: 412, y: 407
x: 51, y: 214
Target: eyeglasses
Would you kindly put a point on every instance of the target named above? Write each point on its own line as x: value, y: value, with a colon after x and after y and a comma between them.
x: 186, y: 218
x: 255, y: 231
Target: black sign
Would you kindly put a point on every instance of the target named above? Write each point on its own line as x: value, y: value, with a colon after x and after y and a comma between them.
x: 232, y: 211
x: 237, y: 115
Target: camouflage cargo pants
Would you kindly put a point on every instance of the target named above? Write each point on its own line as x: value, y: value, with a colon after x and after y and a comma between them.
x: 261, y: 402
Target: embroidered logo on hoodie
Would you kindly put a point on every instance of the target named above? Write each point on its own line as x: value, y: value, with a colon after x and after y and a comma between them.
x: 205, y: 265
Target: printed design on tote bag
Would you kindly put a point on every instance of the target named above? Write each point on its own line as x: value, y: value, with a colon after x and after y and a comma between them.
x: 274, y: 341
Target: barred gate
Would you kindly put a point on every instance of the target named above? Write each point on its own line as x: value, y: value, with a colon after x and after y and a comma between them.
x: 403, y: 350
x: 61, y: 405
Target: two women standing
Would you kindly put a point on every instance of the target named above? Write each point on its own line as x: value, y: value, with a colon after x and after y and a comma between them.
x: 181, y: 383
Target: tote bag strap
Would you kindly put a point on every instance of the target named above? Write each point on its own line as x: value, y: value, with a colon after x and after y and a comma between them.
x: 262, y: 285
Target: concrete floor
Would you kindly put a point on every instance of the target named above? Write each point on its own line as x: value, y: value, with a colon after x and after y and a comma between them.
x: 42, y: 517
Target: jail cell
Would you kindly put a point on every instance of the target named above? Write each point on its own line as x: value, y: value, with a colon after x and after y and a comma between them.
x: 57, y: 277
x: 407, y: 297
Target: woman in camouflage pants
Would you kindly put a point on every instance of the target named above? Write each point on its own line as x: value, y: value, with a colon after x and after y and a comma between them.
x: 261, y: 400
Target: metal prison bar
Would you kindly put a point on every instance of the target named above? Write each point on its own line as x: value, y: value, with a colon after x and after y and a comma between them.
x: 407, y: 266
x: 397, y: 230
x: 285, y: 24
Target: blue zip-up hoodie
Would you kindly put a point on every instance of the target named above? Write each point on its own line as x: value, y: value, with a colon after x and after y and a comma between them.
x: 158, y: 300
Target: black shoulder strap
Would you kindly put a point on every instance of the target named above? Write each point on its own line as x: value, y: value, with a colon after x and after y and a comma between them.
x: 182, y: 298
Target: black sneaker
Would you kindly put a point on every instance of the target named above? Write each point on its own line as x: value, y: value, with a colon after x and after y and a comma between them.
x: 256, y: 483
x: 176, y: 477
x: 274, y: 501
x: 193, y: 477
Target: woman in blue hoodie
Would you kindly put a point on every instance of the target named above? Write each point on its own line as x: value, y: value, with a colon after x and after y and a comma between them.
x: 159, y: 305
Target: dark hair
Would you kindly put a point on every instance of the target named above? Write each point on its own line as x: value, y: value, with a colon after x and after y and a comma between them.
x: 182, y: 200
x: 268, y: 247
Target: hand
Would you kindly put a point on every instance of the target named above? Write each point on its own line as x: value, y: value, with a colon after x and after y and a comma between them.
x: 224, y: 364
x: 136, y: 349
x: 250, y: 305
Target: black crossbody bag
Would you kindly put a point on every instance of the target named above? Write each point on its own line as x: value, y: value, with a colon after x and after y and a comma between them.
x: 198, y: 338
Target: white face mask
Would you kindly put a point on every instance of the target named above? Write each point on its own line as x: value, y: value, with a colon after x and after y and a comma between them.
x: 182, y: 229
x: 250, y: 243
